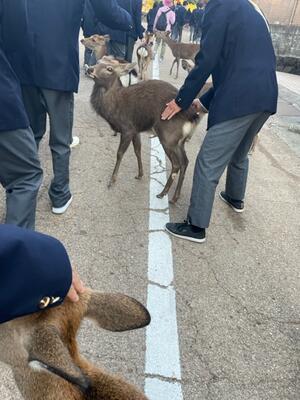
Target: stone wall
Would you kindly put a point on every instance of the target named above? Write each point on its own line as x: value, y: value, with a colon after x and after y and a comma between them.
x: 286, y: 40
x: 284, y: 12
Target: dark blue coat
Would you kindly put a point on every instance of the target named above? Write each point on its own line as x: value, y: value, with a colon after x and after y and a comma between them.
x: 48, y: 55
x: 151, y: 18
x: 236, y: 48
x: 197, y: 18
x: 138, y: 30
x: 89, y: 20
x: 117, y: 35
x: 32, y: 266
x: 180, y: 13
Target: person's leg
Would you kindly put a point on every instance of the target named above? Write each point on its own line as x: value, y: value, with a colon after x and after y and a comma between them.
x: 180, y: 28
x: 219, y: 145
x: 36, y: 111
x: 129, y: 48
x: 21, y: 176
x: 117, y: 49
x: 237, y: 172
x: 156, y: 46
x: 163, y: 50
x: 60, y: 107
x: 87, y: 56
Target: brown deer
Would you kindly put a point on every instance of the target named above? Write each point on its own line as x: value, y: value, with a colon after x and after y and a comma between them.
x: 138, y: 108
x: 43, y: 353
x: 98, y: 44
x: 144, y: 55
x: 186, y: 51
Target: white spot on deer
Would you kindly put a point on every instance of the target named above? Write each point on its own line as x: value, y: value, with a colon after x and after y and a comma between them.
x: 174, y: 175
x: 143, y: 52
x: 187, y: 129
x: 37, y: 366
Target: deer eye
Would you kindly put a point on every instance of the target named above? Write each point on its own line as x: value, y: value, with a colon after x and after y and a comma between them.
x: 110, y: 69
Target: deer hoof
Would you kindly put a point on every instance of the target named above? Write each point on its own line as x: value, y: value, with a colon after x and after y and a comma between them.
x: 139, y: 177
x: 160, y: 195
x: 112, y: 182
x: 174, y: 200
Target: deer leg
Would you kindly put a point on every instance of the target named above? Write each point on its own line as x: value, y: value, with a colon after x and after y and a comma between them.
x: 125, y: 140
x: 183, y: 160
x: 177, y: 60
x: 136, y: 141
x: 175, y: 168
x: 171, y: 70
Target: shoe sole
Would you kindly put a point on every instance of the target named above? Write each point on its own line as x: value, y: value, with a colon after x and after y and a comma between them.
x: 62, y: 210
x: 237, y: 210
x: 190, y: 239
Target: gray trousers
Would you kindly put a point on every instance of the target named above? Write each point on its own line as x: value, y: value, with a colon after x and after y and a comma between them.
x: 226, y: 145
x: 117, y: 49
x: 21, y: 176
x: 60, y: 107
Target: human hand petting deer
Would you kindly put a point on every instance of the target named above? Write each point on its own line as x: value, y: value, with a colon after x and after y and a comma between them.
x: 173, y: 109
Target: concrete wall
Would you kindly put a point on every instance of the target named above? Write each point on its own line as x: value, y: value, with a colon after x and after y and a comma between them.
x: 284, y: 12
x: 286, y: 40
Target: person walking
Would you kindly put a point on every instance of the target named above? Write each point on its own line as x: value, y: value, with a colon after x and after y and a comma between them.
x: 197, y: 19
x: 180, y: 16
x: 244, y: 94
x: 164, y: 20
x: 151, y: 16
x: 138, y: 30
x: 20, y: 171
x: 46, y: 61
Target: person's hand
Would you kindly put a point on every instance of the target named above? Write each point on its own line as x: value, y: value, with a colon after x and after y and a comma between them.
x: 76, y: 289
x: 171, y: 110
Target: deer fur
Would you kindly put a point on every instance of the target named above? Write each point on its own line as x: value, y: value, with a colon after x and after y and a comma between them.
x: 98, y: 44
x: 43, y: 354
x: 137, y: 109
x: 180, y: 51
x: 144, y: 55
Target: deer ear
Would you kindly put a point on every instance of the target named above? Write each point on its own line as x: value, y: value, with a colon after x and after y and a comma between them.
x: 117, y: 312
x: 124, y: 69
x: 47, y: 353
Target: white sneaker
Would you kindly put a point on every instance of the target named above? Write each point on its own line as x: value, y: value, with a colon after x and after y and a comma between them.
x: 63, y: 209
x: 75, y: 141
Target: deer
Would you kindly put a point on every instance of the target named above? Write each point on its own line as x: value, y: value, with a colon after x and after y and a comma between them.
x: 98, y: 44
x: 42, y: 351
x: 138, y: 108
x: 180, y: 51
x: 144, y: 55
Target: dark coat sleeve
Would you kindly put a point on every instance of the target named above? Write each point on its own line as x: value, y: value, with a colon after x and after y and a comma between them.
x: 139, y: 29
x: 213, y: 35
x: 207, y: 97
x: 109, y: 13
x: 32, y: 266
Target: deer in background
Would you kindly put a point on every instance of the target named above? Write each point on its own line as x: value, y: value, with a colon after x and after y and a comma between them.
x: 144, y: 54
x: 98, y: 44
x: 138, y: 108
x: 42, y: 350
x: 180, y: 51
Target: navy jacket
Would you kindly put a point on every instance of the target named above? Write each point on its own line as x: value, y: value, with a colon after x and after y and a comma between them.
x: 117, y: 35
x: 89, y: 20
x: 241, y: 60
x: 197, y: 18
x: 138, y: 30
x: 47, y: 55
x: 151, y: 18
x: 32, y: 267
x: 180, y: 12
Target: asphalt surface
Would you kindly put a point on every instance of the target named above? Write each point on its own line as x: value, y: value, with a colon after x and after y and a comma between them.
x: 238, y: 304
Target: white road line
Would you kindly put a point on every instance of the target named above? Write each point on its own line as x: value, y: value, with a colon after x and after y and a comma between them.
x: 163, y: 372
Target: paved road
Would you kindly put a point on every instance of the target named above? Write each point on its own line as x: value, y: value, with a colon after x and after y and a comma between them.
x: 237, y: 296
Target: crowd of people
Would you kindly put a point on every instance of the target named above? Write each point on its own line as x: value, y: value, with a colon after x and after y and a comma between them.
x: 178, y: 15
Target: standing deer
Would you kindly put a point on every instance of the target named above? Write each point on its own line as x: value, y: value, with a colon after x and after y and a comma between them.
x: 43, y: 353
x: 180, y: 51
x: 98, y: 44
x: 137, y: 108
x: 144, y: 54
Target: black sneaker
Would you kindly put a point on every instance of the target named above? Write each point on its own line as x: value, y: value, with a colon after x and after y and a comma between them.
x: 236, y: 205
x: 186, y: 231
